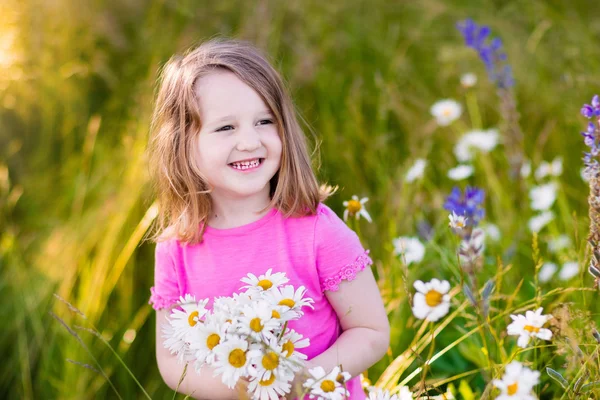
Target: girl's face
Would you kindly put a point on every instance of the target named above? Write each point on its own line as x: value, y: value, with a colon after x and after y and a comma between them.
x: 238, y: 148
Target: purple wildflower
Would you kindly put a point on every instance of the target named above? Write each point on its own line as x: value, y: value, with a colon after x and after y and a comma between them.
x: 468, y: 205
x: 591, y: 137
x: 491, y: 54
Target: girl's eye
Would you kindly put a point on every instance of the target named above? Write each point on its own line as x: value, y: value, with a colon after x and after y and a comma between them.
x: 265, y: 121
x: 224, y: 128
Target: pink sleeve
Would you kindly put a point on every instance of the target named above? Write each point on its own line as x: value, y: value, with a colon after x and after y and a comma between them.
x: 165, y: 291
x: 338, y: 251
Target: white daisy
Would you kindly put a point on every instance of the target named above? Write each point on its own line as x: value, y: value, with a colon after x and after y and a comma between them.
x: 460, y: 172
x: 529, y: 326
x: 290, y: 343
x: 232, y: 360
x: 207, y: 337
x: 258, y: 321
x: 559, y: 243
x: 468, y: 80
x: 263, y: 282
x: 184, y: 321
x: 457, y: 223
x: 376, y: 393
x: 288, y: 303
x: 416, y: 171
x: 269, y: 360
x: 176, y: 344
x: 547, y: 271
x: 446, y: 111
x: 327, y: 385
x: 537, y: 222
x: 543, y: 196
x: 432, y: 301
x: 476, y: 140
x: 356, y: 208
x: 410, y: 249
x: 569, y: 270
x: 517, y: 382
x: 555, y: 168
x: 272, y: 388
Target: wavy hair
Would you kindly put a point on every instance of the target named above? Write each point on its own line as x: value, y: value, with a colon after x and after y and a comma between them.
x: 183, y: 194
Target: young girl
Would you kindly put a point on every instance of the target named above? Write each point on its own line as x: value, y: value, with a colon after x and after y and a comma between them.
x: 238, y: 195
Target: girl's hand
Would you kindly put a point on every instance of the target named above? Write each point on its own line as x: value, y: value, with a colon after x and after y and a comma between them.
x: 241, y: 388
x: 297, y: 384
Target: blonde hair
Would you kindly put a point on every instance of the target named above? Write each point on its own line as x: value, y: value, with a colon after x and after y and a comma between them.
x: 183, y: 194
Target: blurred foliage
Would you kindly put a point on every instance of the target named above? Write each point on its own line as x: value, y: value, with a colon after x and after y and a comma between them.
x: 76, y: 94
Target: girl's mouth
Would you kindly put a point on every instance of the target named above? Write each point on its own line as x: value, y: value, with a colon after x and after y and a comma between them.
x: 250, y: 165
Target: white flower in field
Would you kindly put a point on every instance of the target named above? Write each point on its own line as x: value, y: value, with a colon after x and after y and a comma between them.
x: 569, y: 270
x: 460, y: 172
x: 272, y: 388
x: 232, y: 360
x: 288, y: 303
x: 468, y: 80
x: 263, y: 282
x: 537, y: 222
x: 416, y: 171
x: 356, y: 208
x: 559, y: 243
x: 432, y: 301
x: 525, y: 169
x: 547, y: 270
x: 492, y: 231
x: 208, y: 336
x: 446, y: 111
x: 543, y: 196
x: 258, y: 321
x: 327, y: 385
x: 410, y: 249
x: 184, y: 321
x: 476, y: 140
x: 529, y: 326
x: 555, y: 168
x: 457, y: 222
x: 517, y: 382
x: 383, y: 394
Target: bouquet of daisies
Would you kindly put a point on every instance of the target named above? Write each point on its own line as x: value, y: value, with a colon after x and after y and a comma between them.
x: 245, y: 335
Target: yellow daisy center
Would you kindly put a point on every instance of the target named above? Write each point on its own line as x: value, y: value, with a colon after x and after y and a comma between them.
x: 237, y: 358
x: 446, y: 112
x: 531, y: 329
x: 287, y: 302
x: 433, y: 298
x: 265, y: 284
x: 255, y: 325
x: 275, y: 314
x: 270, y: 361
x: 267, y: 382
x: 327, y: 386
x: 289, y: 347
x: 354, y: 206
x: 192, y: 318
x: 512, y: 389
x: 212, y: 340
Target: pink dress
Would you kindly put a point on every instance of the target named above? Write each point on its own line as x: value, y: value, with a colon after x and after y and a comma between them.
x: 316, y: 252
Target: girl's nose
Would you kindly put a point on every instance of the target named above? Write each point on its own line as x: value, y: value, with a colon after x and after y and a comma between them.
x: 248, y: 140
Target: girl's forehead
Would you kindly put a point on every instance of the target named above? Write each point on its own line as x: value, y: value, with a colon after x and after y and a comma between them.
x: 222, y: 93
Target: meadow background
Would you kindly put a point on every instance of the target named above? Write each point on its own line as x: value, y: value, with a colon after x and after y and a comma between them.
x: 76, y: 93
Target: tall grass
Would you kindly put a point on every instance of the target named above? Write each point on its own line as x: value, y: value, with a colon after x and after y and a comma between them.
x: 75, y: 203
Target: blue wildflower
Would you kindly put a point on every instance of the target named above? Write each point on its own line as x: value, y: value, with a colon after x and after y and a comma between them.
x: 591, y: 138
x: 469, y: 205
x: 476, y: 37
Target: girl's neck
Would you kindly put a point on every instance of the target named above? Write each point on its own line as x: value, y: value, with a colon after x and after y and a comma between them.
x: 228, y: 213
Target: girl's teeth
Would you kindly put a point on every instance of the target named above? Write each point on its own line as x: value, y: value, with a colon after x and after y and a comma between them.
x: 246, y: 165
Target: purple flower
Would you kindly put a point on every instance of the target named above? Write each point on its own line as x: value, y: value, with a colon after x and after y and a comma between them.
x: 491, y: 54
x: 593, y: 110
x: 469, y: 204
x: 591, y: 137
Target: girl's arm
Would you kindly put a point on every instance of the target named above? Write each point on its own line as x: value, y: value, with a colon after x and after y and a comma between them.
x: 198, y: 386
x: 366, y: 329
